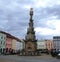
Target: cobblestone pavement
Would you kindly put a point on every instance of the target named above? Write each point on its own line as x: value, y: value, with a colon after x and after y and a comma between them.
x: 16, y: 58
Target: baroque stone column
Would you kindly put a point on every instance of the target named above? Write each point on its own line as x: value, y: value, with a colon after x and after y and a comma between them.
x: 30, y: 39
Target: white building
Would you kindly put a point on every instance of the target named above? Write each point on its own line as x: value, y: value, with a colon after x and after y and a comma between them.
x: 17, y: 45
x: 20, y: 45
x: 41, y: 44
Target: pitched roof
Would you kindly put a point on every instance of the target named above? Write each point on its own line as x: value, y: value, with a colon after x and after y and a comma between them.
x: 10, y: 36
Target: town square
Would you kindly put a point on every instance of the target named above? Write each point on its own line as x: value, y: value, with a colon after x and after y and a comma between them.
x: 29, y: 31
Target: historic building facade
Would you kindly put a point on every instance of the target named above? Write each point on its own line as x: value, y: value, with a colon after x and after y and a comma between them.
x: 49, y: 45
x: 8, y: 42
x: 41, y: 45
x: 56, y: 41
x: 30, y: 40
x: 2, y: 41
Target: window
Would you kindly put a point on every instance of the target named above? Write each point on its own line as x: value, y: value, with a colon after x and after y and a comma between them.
x: 1, y: 37
x: 1, y: 42
x: 4, y: 43
x: 4, y: 37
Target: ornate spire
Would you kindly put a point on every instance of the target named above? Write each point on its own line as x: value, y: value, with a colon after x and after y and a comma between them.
x: 30, y: 40
x: 30, y: 32
x: 31, y: 11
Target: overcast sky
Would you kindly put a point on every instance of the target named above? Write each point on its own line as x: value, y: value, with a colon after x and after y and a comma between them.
x: 14, y: 17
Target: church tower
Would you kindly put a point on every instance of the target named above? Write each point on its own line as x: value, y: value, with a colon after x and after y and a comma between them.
x: 30, y: 39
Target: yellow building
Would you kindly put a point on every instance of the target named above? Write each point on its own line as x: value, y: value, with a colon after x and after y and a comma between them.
x: 14, y: 44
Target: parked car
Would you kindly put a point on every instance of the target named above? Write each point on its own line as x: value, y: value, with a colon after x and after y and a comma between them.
x: 54, y: 53
x: 58, y: 54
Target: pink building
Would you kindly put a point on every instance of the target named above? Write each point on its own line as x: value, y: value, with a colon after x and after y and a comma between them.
x: 9, y: 42
x: 49, y: 45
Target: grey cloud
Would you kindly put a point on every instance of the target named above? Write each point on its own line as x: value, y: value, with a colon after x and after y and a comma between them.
x: 47, y: 12
x: 26, y: 2
x: 42, y: 37
x: 19, y: 33
x: 42, y: 15
x: 17, y: 17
